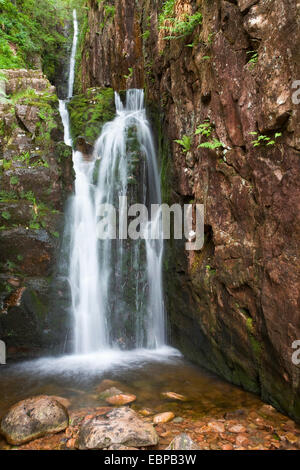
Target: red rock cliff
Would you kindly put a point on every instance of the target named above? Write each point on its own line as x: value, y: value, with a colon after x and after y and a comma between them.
x: 234, y: 306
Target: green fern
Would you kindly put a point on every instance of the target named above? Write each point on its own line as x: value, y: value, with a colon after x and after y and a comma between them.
x: 214, y: 144
x: 185, y: 142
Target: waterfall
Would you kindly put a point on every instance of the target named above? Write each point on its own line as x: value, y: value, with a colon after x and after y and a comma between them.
x: 73, y: 56
x: 116, y: 284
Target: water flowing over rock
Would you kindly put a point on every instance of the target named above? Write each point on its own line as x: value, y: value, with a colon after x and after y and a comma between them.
x: 33, y: 418
x: 116, y: 285
x: 122, y: 426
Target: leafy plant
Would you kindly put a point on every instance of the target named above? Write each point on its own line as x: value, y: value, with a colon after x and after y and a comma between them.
x: 254, y: 58
x: 185, y: 142
x: 264, y: 140
x: 14, y: 180
x: 204, y: 129
x: 177, y: 27
x: 214, y: 144
x: 130, y: 69
x: 34, y: 225
x: 6, y: 215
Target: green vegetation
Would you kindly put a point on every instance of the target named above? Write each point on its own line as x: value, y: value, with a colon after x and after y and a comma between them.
x: 6, y: 215
x: 177, y: 27
x: 89, y: 111
x: 253, y: 59
x: 212, y: 144
x: 130, y: 70
x: 46, y: 103
x: 185, y: 142
x: 264, y: 140
x: 205, y: 129
x: 32, y: 30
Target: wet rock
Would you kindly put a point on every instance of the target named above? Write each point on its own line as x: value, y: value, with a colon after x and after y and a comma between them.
x: 120, y: 400
x: 110, y: 392
x: 119, y: 447
x: 227, y: 447
x: 242, y: 440
x: 173, y: 396
x: 63, y: 401
x: 178, y: 420
x: 146, y: 412
x: 183, y: 442
x: 105, y: 384
x: 85, y: 148
x: 237, y: 428
x: 216, y: 427
x: 121, y: 426
x: 235, y: 414
x: 33, y: 418
x: 162, y: 418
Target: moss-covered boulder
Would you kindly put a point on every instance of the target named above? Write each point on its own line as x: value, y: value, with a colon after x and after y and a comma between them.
x: 90, y: 111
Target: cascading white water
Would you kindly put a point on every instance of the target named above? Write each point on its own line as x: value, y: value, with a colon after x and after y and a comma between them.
x: 122, y: 259
x: 73, y: 56
x: 116, y: 285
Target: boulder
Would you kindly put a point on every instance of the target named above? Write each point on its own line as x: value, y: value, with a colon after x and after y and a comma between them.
x: 183, y: 442
x: 119, y: 427
x: 33, y: 418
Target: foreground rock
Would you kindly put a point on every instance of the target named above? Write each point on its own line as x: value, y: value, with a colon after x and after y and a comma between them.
x: 121, y: 399
x: 163, y: 417
x: 183, y: 442
x: 33, y: 418
x: 119, y: 427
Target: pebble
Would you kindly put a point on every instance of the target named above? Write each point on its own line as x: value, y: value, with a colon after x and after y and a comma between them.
x: 216, y: 427
x: 120, y: 400
x: 173, y: 396
x: 227, y: 447
x: 146, y: 412
x: 178, y: 420
x: 163, y: 417
x: 237, y: 428
x: 242, y: 440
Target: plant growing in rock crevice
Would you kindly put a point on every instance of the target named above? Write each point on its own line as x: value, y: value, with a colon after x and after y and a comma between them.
x: 177, y: 27
x: 185, y: 142
x: 205, y: 130
x: 264, y: 140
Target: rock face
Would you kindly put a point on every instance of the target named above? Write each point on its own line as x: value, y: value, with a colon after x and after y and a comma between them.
x: 36, y: 176
x: 33, y: 418
x: 233, y: 306
x: 120, y: 427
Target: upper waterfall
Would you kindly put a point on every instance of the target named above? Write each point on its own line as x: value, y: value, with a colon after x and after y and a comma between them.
x: 73, y: 56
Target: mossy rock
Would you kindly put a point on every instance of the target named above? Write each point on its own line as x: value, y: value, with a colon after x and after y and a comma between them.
x: 90, y: 111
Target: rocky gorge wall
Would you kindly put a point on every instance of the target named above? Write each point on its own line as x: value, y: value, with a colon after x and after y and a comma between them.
x: 36, y: 176
x: 234, y: 305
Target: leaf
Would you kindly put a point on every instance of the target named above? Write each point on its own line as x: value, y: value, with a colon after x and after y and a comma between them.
x: 6, y: 215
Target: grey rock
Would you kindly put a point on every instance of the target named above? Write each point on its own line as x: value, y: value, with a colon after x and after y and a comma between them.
x: 119, y: 427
